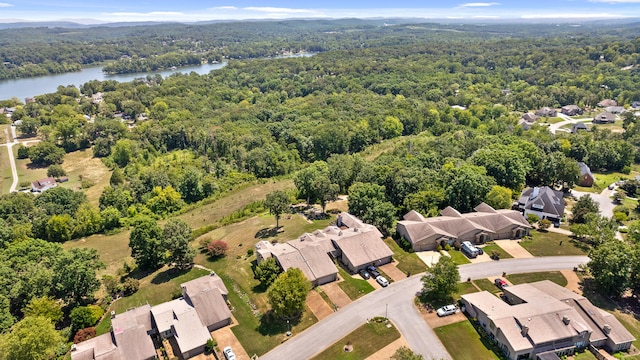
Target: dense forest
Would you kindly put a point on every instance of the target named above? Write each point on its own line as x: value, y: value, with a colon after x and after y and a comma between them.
x: 174, y: 142
x: 40, y: 51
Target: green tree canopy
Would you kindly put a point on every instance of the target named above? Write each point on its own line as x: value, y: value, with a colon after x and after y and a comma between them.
x: 176, y: 238
x: 441, y: 279
x: 33, y: 338
x: 499, y: 197
x: 405, y: 353
x: 46, y: 307
x: 610, y: 267
x: 584, y: 206
x: 267, y: 272
x: 145, y: 242
x: 288, y: 293
x: 277, y: 202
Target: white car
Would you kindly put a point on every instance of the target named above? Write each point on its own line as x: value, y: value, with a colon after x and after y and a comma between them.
x: 228, y: 353
x: 382, y: 281
x: 447, y: 310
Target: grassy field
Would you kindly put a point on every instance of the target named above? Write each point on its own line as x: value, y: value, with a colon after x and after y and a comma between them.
x: 489, y: 249
x: 463, y: 342
x: 631, y: 324
x: 365, y: 340
x: 553, y: 244
x: 555, y: 276
x: 407, y: 262
x: 82, y: 165
x: 486, y: 285
x: 6, y: 176
x: 354, y: 288
x: 584, y: 355
x: 160, y: 286
x: 458, y: 257
x: 464, y: 288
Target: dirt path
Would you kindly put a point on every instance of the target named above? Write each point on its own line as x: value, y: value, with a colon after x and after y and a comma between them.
x: 513, y: 248
x: 335, y: 294
x: 573, y: 282
x: 392, y: 271
x: 318, y: 306
x: 386, y: 352
x: 225, y: 337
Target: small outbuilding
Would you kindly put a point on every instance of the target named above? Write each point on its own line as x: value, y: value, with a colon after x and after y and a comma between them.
x: 586, y: 176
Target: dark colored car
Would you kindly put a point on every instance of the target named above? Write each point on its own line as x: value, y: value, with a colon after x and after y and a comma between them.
x: 365, y: 275
x: 373, y: 271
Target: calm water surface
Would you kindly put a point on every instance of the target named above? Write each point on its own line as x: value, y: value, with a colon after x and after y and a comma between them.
x: 30, y: 87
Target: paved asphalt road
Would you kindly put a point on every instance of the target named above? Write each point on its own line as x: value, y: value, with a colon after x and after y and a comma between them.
x: 397, y: 302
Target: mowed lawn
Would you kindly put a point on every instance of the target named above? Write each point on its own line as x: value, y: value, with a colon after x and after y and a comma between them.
x: 6, y: 175
x: 407, y: 262
x: 553, y: 244
x: 554, y: 276
x: 365, y: 341
x: 463, y: 342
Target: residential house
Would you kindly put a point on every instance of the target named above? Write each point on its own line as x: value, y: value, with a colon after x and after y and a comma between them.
x: 179, y: 322
x: 635, y: 105
x: 577, y: 127
x: 547, y: 111
x: 458, y: 107
x: 543, y: 320
x: 129, y: 339
x: 615, y: 109
x: 352, y: 242
x: 607, y: 102
x: 186, y: 322
x: 29, y: 100
x: 571, y: 110
x: 586, y: 176
x: 544, y: 202
x: 208, y: 295
x: 41, y: 185
x: 604, y: 118
x: 451, y: 226
x: 96, y: 98
x: 527, y: 120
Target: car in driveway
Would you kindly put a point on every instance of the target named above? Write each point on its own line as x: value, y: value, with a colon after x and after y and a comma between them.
x: 228, y: 353
x: 373, y: 271
x: 447, y: 310
x: 365, y: 275
x: 500, y: 283
x: 382, y: 281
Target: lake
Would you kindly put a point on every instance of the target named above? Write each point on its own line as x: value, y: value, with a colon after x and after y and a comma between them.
x: 30, y: 87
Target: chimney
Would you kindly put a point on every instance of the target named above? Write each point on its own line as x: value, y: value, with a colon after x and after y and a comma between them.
x: 566, y: 320
x: 607, y: 329
x: 524, y: 330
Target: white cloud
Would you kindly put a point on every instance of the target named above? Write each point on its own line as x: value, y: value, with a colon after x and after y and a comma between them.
x: 574, y: 16
x: 479, y: 4
x: 5, y: 5
x: 486, y: 17
x: 223, y: 8
x: 277, y: 10
x: 149, y: 14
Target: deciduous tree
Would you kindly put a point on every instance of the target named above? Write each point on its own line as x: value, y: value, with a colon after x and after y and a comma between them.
x: 33, y: 338
x: 288, y: 293
x: 176, y: 239
x: 277, y: 202
x: 441, y: 279
x: 267, y: 272
x: 145, y: 242
x: 584, y: 206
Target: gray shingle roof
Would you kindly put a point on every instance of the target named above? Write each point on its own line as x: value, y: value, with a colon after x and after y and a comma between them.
x: 546, y: 199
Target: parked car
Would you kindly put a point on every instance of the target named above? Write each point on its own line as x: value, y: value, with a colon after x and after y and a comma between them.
x: 373, y: 271
x: 447, y: 310
x: 228, y: 353
x: 612, y: 186
x: 501, y: 283
x: 382, y: 281
x: 365, y: 275
x: 470, y: 250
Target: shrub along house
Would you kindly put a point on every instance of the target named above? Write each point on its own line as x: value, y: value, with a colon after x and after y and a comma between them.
x: 352, y: 242
x: 451, y: 226
x: 543, y: 320
x: 186, y: 322
x: 543, y: 202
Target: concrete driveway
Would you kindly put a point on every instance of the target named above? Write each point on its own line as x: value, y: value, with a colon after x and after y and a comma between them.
x: 603, y: 199
x: 396, y: 302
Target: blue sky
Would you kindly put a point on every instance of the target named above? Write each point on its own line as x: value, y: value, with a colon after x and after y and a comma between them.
x: 186, y: 10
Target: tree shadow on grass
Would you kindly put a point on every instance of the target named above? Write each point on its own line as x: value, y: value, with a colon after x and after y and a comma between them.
x: 267, y: 232
x: 271, y: 324
x: 167, y: 275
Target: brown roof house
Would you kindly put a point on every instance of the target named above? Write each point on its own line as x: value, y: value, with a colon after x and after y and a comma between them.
x: 527, y: 120
x: 586, y: 176
x: 576, y: 127
x: 543, y: 320
x: 353, y: 242
x: 607, y: 102
x: 615, y: 109
x: 129, y: 339
x: 546, y: 111
x: 477, y: 227
x: 544, y: 202
x: 571, y: 110
x: 604, y: 118
x: 186, y: 322
x: 43, y: 184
